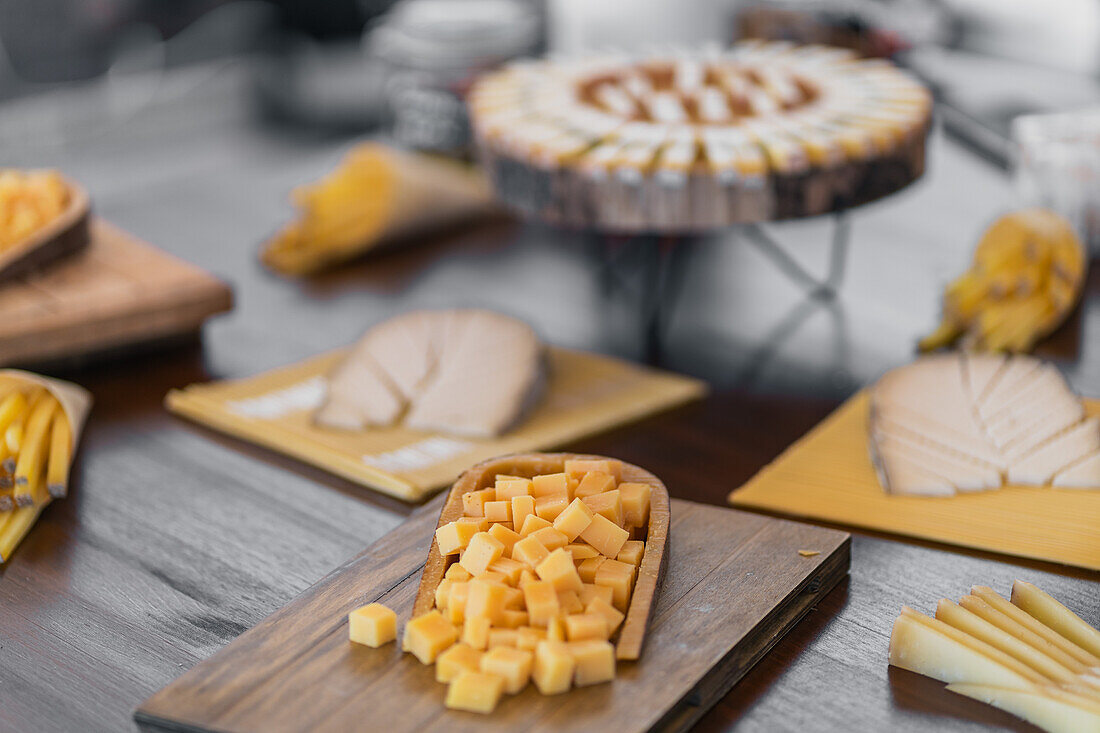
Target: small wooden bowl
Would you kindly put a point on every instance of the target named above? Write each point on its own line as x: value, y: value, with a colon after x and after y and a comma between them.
x: 650, y: 573
x: 66, y: 234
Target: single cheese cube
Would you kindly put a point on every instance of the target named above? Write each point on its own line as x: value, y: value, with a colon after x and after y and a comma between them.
x: 456, y: 572
x: 635, y: 503
x: 551, y: 539
x: 594, y: 660
x: 619, y: 577
x: 513, y: 619
x: 481, y: 523
x: 507, y: 537
x: 481, y: 552
x: 580, y: 466
x: 486, y: 599
x: 602, y: 533
x: 454, y: 536
x: 492, y: 576
x: 559, y: 571
x: 573, y: 520
x: 581, y: 552
x: 456, y: 602
x: 542, y: 602
x: 522, y: 507
x: 530, y: 551
x: 582, y: 626
x: 475, y: 632
x: 459, y: 658
x: 550, y: 484
x: 473, y: 502
x: 587, y: 568
x: 569, y: 602
x: 498, y: 511
x: 632, y: 552
x: 503, y: 637
x: 372, y: 625
x: 513, y: 599
x: 550, y: 506
x: 441, y: 592
x: 591, y: 591
x: 611, y: 615
x: 553, y: 669
x: 608, y: 504
x: 595, y: 482
x: 527, y: 576
x: 528, y: 637
x: 533, y: 524
x: 509, y: 568
x: 509, y: 488
x: 427, y: 635
x: 555, y: 630
x: 511, y: 665
x: 475, y: 692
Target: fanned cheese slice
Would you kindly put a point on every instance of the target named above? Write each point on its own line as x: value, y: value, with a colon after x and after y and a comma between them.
x: 959, y: 472
x: 1084, y: 474
x: 1049, y: 708
x: 359, y: 394
x: 1039, y: 466
x: 982, y: 373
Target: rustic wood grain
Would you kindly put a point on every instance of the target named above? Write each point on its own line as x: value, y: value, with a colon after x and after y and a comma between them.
x: 66, y: 234
x: 650, y: 571
x: 736, y: 584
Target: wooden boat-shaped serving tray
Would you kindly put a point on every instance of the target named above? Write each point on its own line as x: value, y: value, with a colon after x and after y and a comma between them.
x: 64, y: 235
x: 734, y: 584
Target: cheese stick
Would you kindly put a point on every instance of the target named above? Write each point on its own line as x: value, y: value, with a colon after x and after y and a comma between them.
x: 16, y: 526
x: 61, y: 448
x: 13, y: 435
x: 32, y: 454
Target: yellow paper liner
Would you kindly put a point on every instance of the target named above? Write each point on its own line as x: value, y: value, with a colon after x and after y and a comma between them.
x: 827, y: 475
x: 586, y: 394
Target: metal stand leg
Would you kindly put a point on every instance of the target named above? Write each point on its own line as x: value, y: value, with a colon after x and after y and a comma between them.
x: 826, y: 288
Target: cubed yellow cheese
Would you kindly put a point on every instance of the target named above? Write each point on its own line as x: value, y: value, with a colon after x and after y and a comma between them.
x: 582, y: 626
x: 475, y: 692
x: 608, y: 504
x: 532, y: 524
x: 553, y: 669
x: 506, y: 535
x: 502, y: 637
x: 456, y: 572
x: 508, y: 488
x: 594, y: 662
x: 481, y: 523
x: 522, y: 507
x: 441, y: 592
x: 492, y: 576
x: 591, y: 591
x: 550, y: 506
x: 473, y: 502
x: 551, y: 538
x: 549, y: 484
x: 611, y: 615
x: 456, y: 602
x: 558, y: 569
x: 454, y: 536
x: 587, y: 568
x: 602, y: 533
x: 632, y: 552
x: 528, y: 637
x: 555, y: 630
x: 542, y: 602
x: 486, y: 599
x: 475, y: 632
x: 595, y: 482
x: 498, y: 511
x: 570, y: 602
x: 481, y: 552
x: 513, y: 619
x: 619, y: 577
x: 513, y: 599
x: 581, y: 551
x: 573, y: 520
x: 530, y: 551
x: 511, y: 665
x: 580, y: 466
x: 372, y: 625
x: 427, y: 635
x: 509, y: 568
x: 635, y: 503
x: 459, y: 658
x: 527, y: 576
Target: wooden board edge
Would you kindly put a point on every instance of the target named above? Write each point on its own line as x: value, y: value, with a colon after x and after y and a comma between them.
x: 729, y: 671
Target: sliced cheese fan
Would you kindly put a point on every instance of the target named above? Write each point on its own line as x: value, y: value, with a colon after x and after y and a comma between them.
x: 465, y: 371
x: 970, y: 422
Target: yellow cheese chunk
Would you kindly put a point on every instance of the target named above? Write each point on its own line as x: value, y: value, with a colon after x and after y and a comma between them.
x: 611, y: 615
x: 542, y: 602
x: 527, y: 576
x: 372, y: 625
x: 441, y: 592
x: 581, y: 551
x: 573, y: 520
x: 509, y: 488
x: 475, y: 632
x: 550, y: 506
x: 632, y: 553
x: 583, y: 626
x: 475, y: 692
x: 552, y: 672
x: 595, y: 482
x: 507, y: 536
x: 428, y: 635
x: 555, y: 630
x: 530, y: 551
x: 558, y: 570
x: 594, y: 662
x: 459, y: 658
x: 511, y: 665
x: 587, y: 568
x: 591, y: 591
x: 579, y: 467
x: 551, y: 539
x: 522, y: 507
x: 498, y: 511
x: 503, y: 637
x: 487, y: 599
x: 635, y: 499
x: 456, y: 572
x: 532, y: 524
x: 619, y: 577
x: 509, y: 568
x: 528, y: 637
x: 603, y: 534
x: 513, y: 599
x: 481, y: 552
x: 550, y: 484
x: 456, y: 602
x: 514, y: 619
x: 608, y: 504
x: 473, y: 502
x: 570, y: 602
x: 454, y: 536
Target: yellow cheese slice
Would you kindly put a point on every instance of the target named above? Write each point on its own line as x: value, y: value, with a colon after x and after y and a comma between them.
x: 1048, y: 611
x: 1083, y: 657
x: 1084, y: 474
x: 1040, y: 466
x: 1054, y: 713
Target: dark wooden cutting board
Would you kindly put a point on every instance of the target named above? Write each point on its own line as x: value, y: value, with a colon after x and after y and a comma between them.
x: 734, y: 585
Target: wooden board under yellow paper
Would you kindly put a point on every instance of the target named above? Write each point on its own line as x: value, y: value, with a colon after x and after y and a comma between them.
x: 827, y: 475
x: 586, y: 393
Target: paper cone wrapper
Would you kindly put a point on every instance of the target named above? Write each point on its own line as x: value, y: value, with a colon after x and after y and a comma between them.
x: 75, y: 400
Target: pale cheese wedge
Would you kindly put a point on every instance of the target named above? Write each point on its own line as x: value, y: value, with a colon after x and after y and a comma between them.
x: 1014, y: 377
x: 1065, y: 449
x: 907, y: 477
x: 1084, y: 474
x: 359, y: 395
x: 1056, y: 713
x: 982, y: 373
x: 1048, y: 611
x: 958, y: 473
x: 1085, y: 659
